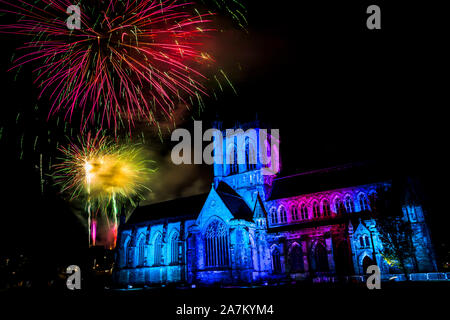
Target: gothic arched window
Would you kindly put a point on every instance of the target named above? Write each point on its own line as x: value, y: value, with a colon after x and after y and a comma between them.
x: 294, y: 213
x: 321, y: 258
x: 174, y: 248
x: 127, y: 256
x: 273, y: 216
x: 361, y: 242
x: 349, y: 204
x: 363, y: 203
x: 216, y: 245
x: 373, y: 200
x: 366, y: 238
x: 304, y: 211
x: 250, y: 159
x: 141, y: 256
x: 283, y: 216
x: 339, y: 206
x: 157, y: 258
x: 296, y: 258
x: 316, y: 210
x: 326, y: 208
x: 276, y: 261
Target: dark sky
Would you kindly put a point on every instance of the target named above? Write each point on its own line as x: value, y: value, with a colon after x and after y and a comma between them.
x: 337, y: 91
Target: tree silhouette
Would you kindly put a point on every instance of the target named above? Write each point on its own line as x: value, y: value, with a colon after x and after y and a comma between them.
x: 394, y: 230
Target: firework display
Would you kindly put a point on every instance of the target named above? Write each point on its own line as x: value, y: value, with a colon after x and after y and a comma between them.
x: 116, y: 67
x: 129, y: 60
x: 105, y: 172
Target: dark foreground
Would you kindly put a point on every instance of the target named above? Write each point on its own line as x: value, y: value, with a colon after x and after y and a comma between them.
x: 322, y: 301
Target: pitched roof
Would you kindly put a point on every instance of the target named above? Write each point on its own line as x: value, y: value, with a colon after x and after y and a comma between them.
x: 261, y: 213
x: 188, y: 207
x: 234, y: 202
x: 328, y: 179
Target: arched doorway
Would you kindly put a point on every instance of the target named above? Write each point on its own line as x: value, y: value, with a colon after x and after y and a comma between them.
x: 343, y: 259
x: 296, y: 259
x: 276, y: 261
x: 366, y: 263
x: 321, y: 258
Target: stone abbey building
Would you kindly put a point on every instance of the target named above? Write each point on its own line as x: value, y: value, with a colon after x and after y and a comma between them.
x: 254, y: 227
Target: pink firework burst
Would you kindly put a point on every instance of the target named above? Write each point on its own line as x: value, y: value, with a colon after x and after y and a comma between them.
x: 129, y: 60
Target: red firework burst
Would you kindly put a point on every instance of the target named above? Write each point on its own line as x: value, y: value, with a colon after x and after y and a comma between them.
x: 131, y: 59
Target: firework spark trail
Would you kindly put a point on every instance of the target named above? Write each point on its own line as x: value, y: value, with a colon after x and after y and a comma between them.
x: 236, y: 9
x: 133, y: 59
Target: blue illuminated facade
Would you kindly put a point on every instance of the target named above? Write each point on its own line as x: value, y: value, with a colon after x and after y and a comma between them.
x: 254, y: 227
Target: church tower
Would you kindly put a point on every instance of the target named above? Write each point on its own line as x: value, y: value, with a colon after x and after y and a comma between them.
x: 250, y: 160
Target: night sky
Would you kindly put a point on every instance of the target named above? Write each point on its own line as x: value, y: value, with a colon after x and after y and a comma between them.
x: 337, y: 91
